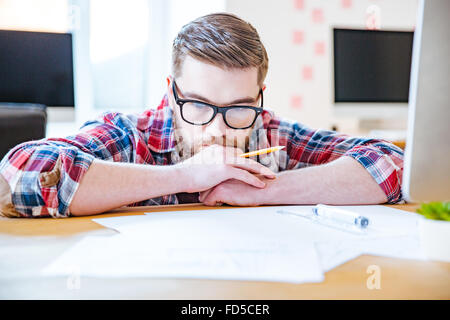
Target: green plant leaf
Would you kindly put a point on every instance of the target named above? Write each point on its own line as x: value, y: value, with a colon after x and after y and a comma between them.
x: 435, y: 210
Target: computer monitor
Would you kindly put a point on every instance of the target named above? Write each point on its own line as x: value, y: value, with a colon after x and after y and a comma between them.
x: 426, y: 175
x: 37, y: 67
x: 371, y: 72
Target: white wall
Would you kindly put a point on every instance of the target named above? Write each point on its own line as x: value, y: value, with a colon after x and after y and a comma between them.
x: 297, y: 35
x: 122, y: 48
x: 32, y: 15
x: 168, y: 16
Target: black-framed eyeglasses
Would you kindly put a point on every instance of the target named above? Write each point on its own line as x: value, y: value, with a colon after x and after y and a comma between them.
x: 201, y: 113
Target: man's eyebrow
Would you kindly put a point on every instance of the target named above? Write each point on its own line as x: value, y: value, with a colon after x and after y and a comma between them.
x: 194, y: 96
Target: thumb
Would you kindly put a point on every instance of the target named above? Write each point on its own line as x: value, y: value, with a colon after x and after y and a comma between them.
x: 204, y: 194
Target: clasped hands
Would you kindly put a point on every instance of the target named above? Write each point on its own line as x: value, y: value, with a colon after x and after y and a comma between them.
x: 221, y: 176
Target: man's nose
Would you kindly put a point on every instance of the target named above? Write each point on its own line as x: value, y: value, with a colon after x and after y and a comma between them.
x: 217, y: 126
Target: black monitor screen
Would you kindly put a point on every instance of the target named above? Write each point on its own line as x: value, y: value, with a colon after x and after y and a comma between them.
x: 36, y: 67
x: 372, y: 66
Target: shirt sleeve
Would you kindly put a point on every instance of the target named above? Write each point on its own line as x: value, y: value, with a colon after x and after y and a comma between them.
x: 305, y: 147
x: 42, y: 176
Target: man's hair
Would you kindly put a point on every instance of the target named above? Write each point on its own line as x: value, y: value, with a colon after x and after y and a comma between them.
x: 223, y: 40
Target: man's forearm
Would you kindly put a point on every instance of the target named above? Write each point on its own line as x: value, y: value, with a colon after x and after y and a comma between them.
x: 108, y: 185
x: 343, y: 181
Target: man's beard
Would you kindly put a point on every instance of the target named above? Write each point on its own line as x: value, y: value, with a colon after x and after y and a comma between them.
x: 187, y: 149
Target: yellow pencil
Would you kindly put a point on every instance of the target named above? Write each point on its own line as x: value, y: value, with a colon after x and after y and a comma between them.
x: 261, y: 151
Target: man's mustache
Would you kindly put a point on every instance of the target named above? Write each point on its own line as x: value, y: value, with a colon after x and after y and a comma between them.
x: 189, y: 149
x: 209, y: 141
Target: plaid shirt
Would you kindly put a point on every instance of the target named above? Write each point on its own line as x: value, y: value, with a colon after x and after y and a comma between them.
x: 41, y: 177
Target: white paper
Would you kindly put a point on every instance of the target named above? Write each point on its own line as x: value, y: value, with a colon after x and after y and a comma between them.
x: 135, y: 256
x: 241, y: 221
x: 391, y: 232
x: 334, y: 253
x: 240, y: 243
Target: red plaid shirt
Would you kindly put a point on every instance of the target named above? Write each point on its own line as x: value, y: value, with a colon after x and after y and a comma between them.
x: 43, y: 176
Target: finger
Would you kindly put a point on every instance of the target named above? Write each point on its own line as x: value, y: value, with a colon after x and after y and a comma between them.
x: 232, y: 157
x: 245, y: 176
x: 231, y: 154
x: 210, y: 200
x: 254, y: 167
x: 204, y: 194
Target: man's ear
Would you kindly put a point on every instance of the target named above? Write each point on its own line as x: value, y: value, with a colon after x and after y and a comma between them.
x: 169, y: 91
x: 169, y: 80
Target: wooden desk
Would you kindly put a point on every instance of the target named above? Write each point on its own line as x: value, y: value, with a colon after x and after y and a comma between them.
x: 400, y: 279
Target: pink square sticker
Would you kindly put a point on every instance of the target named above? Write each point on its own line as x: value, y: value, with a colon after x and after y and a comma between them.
x: 299, y: 4
x: 346, y: 4
x: 317, y: 15
x: 298, y: 37
x: 319, y: 48
x: 296, y: 102
x: 307, y: 73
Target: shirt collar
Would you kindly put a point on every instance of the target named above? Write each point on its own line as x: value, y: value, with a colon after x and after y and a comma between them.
x: 160, y: 127
x: 259, y: 140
